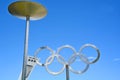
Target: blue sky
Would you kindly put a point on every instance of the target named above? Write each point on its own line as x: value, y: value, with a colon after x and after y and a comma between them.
x: 73, y: 22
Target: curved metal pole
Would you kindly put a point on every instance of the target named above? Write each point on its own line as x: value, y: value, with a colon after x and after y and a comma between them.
x: 25, y: 49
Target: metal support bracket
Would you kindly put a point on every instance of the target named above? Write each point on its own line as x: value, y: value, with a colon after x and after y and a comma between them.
x: 31, y: 63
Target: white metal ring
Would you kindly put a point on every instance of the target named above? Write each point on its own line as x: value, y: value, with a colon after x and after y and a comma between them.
x: 65, y: 46
x: 93, y: 46
x: 41, y: 48
x: 49, y: 62
x: 72, y: 59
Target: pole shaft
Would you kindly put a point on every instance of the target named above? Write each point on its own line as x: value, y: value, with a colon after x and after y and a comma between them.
x: 25, y: 49
x: 67, y: 72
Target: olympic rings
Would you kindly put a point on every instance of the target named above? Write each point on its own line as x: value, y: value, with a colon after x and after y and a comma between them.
x: 71, y: 60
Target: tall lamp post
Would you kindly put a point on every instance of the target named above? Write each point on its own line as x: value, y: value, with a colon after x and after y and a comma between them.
x: 27, y: 10
x: 30, y: 11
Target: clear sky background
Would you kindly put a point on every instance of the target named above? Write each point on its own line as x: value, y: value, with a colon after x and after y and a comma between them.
x: 73, y: 22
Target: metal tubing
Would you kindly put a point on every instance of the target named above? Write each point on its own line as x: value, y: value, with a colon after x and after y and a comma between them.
x: 67, y: 72
x: 25, y: 49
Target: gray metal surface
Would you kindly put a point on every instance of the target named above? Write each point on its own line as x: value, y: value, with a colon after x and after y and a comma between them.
x: 67, y: 72
x: 25, y: 49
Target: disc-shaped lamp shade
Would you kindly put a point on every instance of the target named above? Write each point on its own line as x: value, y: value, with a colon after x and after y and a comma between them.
x: 23, y: 9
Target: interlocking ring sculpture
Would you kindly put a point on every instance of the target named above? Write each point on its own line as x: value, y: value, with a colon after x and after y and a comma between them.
x: 72, y: 59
